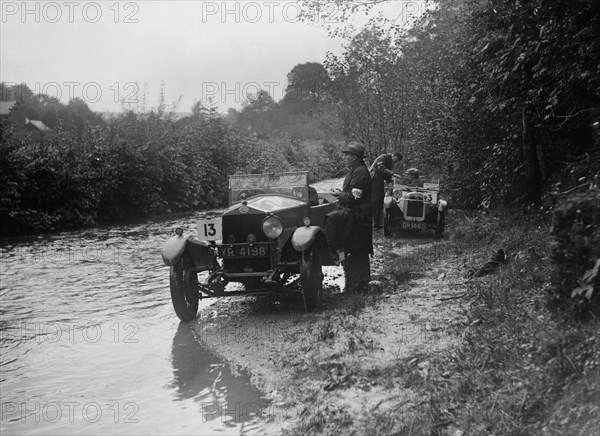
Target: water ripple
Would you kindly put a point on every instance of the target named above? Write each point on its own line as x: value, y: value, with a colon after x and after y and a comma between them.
x: 87, y: 331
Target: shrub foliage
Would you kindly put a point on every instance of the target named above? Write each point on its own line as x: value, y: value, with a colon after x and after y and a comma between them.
x: 576, y: 254
x: 131, y: 167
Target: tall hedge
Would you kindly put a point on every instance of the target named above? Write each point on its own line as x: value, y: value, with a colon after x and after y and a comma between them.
x: 131, y: 167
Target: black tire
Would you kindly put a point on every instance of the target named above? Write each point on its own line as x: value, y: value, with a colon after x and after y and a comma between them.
x: 440, y: 225
x: 311, y: 278
x: 387, y: 222
x: 185, y: 295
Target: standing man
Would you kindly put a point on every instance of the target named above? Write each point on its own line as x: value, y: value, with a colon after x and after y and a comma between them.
x: 397, y: 162
x: 349, y: 229
x: 381, y: 175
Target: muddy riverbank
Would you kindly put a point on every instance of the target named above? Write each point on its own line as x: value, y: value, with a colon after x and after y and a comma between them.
x: 431, y: 350
x: 344, y: 368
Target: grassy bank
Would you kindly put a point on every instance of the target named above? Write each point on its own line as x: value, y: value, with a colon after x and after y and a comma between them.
x: 431, y: 351
x: 520, y: 369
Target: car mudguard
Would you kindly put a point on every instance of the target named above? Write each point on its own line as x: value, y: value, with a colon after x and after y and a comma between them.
x: 304, y: 236
x: 173, y: 249
x: 201, y: 254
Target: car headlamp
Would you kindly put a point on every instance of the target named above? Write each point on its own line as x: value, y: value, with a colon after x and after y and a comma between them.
x: 272, y: 227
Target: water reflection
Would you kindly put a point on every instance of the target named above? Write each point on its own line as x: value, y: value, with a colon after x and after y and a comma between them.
x: 223, y: 398
x: 89, y: 343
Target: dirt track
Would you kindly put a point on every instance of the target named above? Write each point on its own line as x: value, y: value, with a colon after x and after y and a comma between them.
x: 340, y: 368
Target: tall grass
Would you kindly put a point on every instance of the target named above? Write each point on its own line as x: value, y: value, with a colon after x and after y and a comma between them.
x: 519, y: 363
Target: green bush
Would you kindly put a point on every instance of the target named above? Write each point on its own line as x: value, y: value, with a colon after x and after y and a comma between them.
x: 134, y: 166
x: 131, y: 167
x: 575, y: 254
x: 47, y: 183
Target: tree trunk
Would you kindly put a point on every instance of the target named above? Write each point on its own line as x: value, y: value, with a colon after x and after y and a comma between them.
x: 533, y: 175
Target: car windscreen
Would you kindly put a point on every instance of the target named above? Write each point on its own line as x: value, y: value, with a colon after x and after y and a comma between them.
x: 242, y: 187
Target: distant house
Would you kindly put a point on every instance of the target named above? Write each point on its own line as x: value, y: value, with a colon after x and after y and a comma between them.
x: 6, y: 107
x: 36, y: 125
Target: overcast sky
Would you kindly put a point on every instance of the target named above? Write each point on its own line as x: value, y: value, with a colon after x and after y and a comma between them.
x: 99, y: 50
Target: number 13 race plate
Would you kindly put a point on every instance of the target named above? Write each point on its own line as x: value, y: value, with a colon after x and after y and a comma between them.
x: 210, y: 229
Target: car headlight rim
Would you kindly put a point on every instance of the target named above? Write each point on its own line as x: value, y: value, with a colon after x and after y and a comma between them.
x: 272, y: 227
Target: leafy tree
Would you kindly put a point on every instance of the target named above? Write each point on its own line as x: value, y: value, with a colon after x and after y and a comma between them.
x: 532, y: 53
x: 260, y: 102
x: 367, y: 82
x: 307, y: 81
x: 502, y: 94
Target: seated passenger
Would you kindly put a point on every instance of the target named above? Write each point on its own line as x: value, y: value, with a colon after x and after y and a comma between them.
x: 313, y: 196
x: 412, y: 178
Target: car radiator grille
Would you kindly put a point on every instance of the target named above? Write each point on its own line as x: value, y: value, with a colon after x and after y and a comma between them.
x: 414, y: 208
x: 240, y: 226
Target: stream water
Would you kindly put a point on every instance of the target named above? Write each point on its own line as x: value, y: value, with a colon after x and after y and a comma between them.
x: 90, y: 343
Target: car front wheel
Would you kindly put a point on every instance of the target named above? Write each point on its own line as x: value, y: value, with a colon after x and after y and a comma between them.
x: 311, y: 278
x: 184, y: 289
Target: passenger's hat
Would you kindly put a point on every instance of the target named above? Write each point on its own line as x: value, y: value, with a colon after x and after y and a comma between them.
x: 356, y: 149
x: 412, y: 172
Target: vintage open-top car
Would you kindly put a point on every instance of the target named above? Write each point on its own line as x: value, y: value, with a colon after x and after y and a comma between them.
x: 272, y: 229
x: 414, y: 209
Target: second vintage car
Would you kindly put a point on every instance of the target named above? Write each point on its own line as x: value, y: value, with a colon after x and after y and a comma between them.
x: 272, y: 230
x: 414, y: 209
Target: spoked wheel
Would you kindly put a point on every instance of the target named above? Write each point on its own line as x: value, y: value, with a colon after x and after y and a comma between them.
x: 387, y: 222
x: 311, y: 278
x: 184, y: 289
